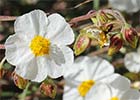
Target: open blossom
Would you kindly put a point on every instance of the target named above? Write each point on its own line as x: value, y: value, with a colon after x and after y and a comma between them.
x: 85, y: 73
x: 38, y: 47
x: 130, y: 36
x: 119, y: 89
x: 132, y: 61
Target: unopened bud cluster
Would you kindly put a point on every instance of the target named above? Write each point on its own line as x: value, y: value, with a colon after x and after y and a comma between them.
x: 109, y: 28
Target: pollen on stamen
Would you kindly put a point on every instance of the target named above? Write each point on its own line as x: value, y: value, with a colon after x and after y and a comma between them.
x: 85, y: 86
x: 102, y: 39
x: 40, y: 46
x: 114, y: 98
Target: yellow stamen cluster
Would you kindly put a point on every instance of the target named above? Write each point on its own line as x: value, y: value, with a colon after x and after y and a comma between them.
x: 102, y: 39
x: 85, y: 86
x: 40, y: 46
x: 114, y: 98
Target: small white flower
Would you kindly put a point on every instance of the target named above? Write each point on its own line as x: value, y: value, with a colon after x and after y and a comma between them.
x: 85, y: 73
x: 117, y: 90
x: 129, y: 6
x: 38, y: 47
x: 132, y: 62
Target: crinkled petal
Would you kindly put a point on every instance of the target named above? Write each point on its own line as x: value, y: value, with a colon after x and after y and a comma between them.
x: 120, y: 83
x: 35, y: 70
x: 99, y: 92
x: 56, y: 68
x: 17, y: 50
x: 57, y: 55
x: 110, y: 78
x: 59, y: 31
x: 132, y: 62
x: 98, y: 68
x: 87, y: 68
x: 76, y: 72
x: 71, y: 94
x: 31, y: 24
x: 131, y: 94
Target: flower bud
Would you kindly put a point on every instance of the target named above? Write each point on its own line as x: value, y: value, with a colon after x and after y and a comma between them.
x: 2, y: 72
x: 48, y: 88
x: 104, y: 17
x: 19, y: 81
x: 81, y: 44
x: 116, y: 43
x: 107, y: 28
x: 130, y: 36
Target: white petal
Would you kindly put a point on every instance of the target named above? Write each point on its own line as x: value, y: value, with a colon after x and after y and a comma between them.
x: 59, y: 31
x: 27, y: 70
x: 71, y: 94
x: 88, y: 68
x: 34, y: 70
x: 56, y: 69
x: 57, y: 55
x: 76, y: 72
x: 17, y: 50
x: 98, y: 68
x: 99, y: 92
x: 120, y: 83
x: 31, y: 24
x: 125, y: 5
x: 132, y: 62
x: 110, y: 78
x: 131, y: 94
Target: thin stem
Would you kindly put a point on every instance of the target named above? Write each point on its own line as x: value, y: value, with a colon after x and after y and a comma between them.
x: 7, y: 18
x: 2, y: 62
x: 23, y: 95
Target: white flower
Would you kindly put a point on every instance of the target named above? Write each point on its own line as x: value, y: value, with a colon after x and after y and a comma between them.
x: 132, y: 61
x: 125, y: 5
x: 85, y: 73
x: 119, y: 89
x: 38, y: 47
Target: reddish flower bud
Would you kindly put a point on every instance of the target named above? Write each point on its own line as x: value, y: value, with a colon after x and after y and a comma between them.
x: 130, y: 36
x: 116, y: 43
x: 81, y: 44
x: 19, y: 81
x: 48, y: 88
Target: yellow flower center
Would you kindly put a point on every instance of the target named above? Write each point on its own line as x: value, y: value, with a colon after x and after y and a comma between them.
x: 102, y: 39
x: 40, y: 46
x: 85, y: 86
x: 114, y: 98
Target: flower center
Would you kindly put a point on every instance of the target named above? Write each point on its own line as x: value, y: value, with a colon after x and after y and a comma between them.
x: 40, y: 46
x: 114, y: 98
x: 102, y: 39
x: 85, y: 86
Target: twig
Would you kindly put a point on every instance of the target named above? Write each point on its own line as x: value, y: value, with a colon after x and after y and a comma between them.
x: 2, y: 46
x: 71, y: 22
x: 98, y: 52
x: 77, y: 6
x: 82, y: 18
x: 7, y: 18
